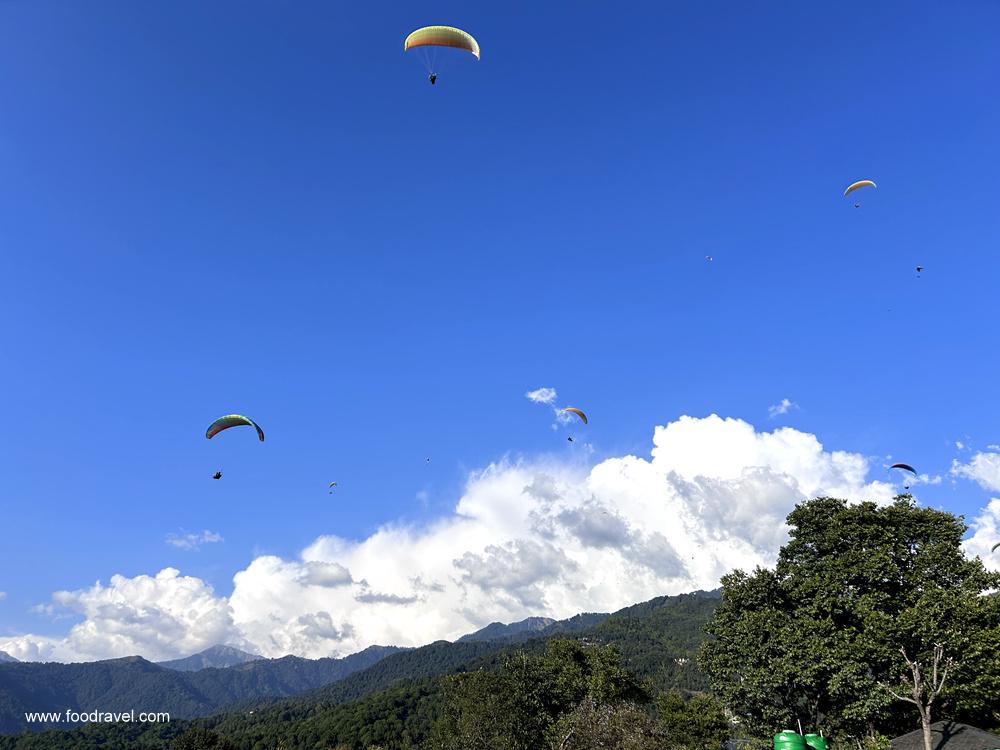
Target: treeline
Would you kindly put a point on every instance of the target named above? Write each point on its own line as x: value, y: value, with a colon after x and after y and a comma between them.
x: 572, y: 697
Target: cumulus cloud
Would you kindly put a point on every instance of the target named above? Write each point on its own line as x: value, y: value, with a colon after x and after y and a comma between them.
x: 526, y: 537
x: 325, y: 574
x: 984, y: 469
x: 986, y: 533
x: 782, y: 407
x: 158, y: 617
x: 193, y: 540
x: 542, y: 396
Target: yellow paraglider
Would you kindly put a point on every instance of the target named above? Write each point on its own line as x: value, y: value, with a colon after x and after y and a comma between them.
x: 425, y: 40
x: 578, y: 412
x: 442, y: 36
x: 859, y: 184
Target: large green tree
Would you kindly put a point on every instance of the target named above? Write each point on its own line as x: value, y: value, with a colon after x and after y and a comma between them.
x: 858, y: 590
x: 517, y: 706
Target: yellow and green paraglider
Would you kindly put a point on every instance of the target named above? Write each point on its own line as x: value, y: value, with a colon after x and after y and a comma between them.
x: 232, y: 420
x: 578, y: 412
x: 427, y: 39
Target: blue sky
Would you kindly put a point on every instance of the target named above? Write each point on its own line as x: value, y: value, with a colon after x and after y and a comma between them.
x: 263, y: 207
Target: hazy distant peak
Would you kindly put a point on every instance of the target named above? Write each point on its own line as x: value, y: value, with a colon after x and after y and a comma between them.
x: 214, y: 656
x: 498, y: 630
x: 5, y: 657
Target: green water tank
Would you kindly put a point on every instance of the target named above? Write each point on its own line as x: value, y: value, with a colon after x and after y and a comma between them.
x: 789, y: 740
x: 815, y: 742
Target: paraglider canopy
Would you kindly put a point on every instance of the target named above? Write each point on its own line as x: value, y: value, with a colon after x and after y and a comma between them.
x: 442, y: 36
x: 995, y: 547
x: 859, y: 184
x: 578, y: 412
x: 217, y: 475
x: 907, y: 468
x: 232, y: 420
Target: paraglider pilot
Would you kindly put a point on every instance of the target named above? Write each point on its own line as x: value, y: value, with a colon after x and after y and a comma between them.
x: 432, y: 78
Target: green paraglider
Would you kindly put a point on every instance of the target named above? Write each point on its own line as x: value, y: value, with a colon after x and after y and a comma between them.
x: 232, y: 420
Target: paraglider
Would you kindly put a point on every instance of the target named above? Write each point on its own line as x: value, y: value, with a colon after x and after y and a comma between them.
x: 855, y: 185
x: 907, y: 468
x: 332, y: 485
x: 995, y: 547
x: 709, y: 258
x: 578, y: 412
x: 859, y: 184
x: 570, y: 439
x: 920, y: 269
x: 429, y: 37
x: 232, y: 420
x: 217, y: 475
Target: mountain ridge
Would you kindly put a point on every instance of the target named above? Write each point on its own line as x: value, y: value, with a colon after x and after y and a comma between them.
x: 132, y: 682
x: 218, y: 656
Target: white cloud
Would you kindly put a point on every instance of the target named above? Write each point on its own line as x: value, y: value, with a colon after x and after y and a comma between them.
x: 986, y: 533
x: 527, y: 537
x: 960, y: 445
x: 984, y: 469
x: 159, y: 617
x: 193, y: 540
x: 782, y: 407
x: 3, y: 595
x: 542, y: 396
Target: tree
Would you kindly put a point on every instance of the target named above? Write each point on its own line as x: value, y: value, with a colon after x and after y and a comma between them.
x: 925, y: 686
x: 817, y: 637
x: 697, y: 724
x: 615, y: 726
x: 516, y: 706
x: 201, y: 739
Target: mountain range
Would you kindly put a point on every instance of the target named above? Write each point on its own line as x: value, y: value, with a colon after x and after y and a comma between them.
x: 6, y: 658
x: 133, y: 683
x: 657, y: 640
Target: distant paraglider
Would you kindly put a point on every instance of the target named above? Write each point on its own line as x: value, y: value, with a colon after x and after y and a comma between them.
x: 909, y: 469
x: 570, y: 439
x: 425, y: 40
x: 859, y: 184
x: 217, y: 475
x: 578, y: 412
x: 920, y: 269
x: 232, y: 420
x: 332, y: 485
x: 855, y: 185
x: 995, y: 548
